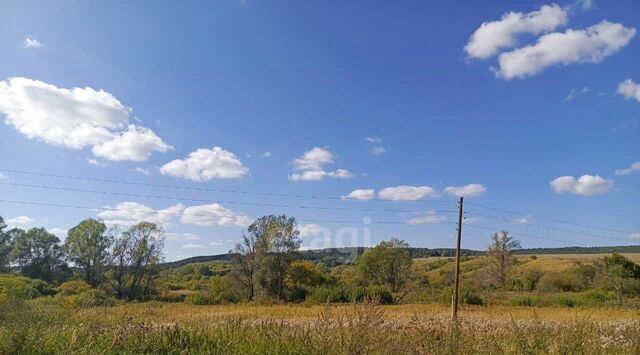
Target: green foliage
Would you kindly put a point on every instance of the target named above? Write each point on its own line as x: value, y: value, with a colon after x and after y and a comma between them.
x: 467, y: 296
x: 386, y: 264
x: 87, y: 245
x: 559, y: 282
x: 39, y: 255
x: 339, y: 294
x: 73, y: 287
x: 7, y: 239
x: 217, y: 291
x: 527, y: 301
x: 94, y: 298
x: 14, y: 287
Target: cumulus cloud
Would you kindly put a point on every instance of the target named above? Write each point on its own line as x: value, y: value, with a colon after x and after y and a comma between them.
x: 129, y: 213
x: 634, y: 236
x: 471, y: 190
x: 206, y: 164
x: 310, y: 166
x: 31, y: 42
x: 58, y: 232
x: 311, y: 230
x: 266, y: 154
x: 182, y: 236
x: 586, y: 185
x: 20, y: 221
x: 189, y: 246
x: 213, y: 215
x: 590, y: 45
x: 427, y: 218
x: 406, y: 193
x: 493, y: 36
x: 631, y: 169
x: 76, y: 118
x: 360, y: 194
x: 629, y: 89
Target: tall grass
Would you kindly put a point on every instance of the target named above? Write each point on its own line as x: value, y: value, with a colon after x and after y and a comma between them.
x: 45, y: 326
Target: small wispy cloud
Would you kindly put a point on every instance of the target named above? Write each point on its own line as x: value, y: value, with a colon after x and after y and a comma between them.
x: 574, y: 94
x: 31, y: 42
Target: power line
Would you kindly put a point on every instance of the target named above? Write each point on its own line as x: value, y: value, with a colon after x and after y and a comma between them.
x: 527, y: 235
x: 548, y: 227
x: 215, y: 201
x: 47, y: 204
x: 549, y: 219
x: 111, y: 181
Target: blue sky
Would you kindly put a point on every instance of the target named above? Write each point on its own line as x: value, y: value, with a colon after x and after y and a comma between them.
x: 494, y: 102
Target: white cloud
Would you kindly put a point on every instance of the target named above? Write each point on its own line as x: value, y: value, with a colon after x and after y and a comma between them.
x: 634, y: 236
x: 471, y: 190
x: 313, y: 159
x: 493, y: 36
x: 311, y: 230
x: 523, y: 220
x: 374, y: 139
x: 206, y: 164
x: 20, y: 221
x: 213, y: 215
x: 135, y: 144
x: 76, y: 118
x: 360, y: 194
x: 190, y: 246
x: 584, y: 5
x: 97, y: 162
x: 428, y: 218
x: 590, y: 45
x: 629, y: 89
x: 586, y: 185
x: 58, y: 232
x: 377, y: 150
x: 31, y: 42
x: 182, y: 236
x: 632, y: 168
x: 142, y: 171
x: 406, y: 193
x: 266, y: 154
x: 310, y: 166
x: 129, y: 213
x: 574, y: 94
x: 3, y: 178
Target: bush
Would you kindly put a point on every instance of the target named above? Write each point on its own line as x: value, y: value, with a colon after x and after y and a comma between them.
x: 564, y: 300
x: 379, y: 293
x: 94, y: 298
x: 335, y: 294
x: 466, y: 296
x: 526, y: 301
x: 217, y: 291
x: 71, y: 288
x: 559, y: 282
x: 18, y: 288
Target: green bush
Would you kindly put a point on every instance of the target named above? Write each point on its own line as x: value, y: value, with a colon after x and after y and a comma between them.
x: 217, y: 291
x: 564, y: 300
x: 334, y: 294
x: 559, y: 282
x: 378, y: 293
x: 94, y: 298
x: 466, y: 296
x: 18, y: 288
x: 74, y: 287
x: 527, y: 301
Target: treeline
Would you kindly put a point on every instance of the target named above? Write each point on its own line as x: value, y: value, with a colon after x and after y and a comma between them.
x: 121, y: 262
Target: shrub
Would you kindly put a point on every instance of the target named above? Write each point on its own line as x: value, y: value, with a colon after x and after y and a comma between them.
x: 94, y: 298
x: 466, y: 296
x: 71, y: 288
x: 559, y: 282
x: 335, y: 294
x: 564, y: 300
x: 526, y: 301
x: 378, y: 293
x: 18, y: 288
x: 217, y: 291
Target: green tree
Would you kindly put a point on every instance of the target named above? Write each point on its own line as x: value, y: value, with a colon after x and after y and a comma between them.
x: 135, y: 257
x: 277, y: 240
x: 619, y: 273
x: 7, y: 239
x: 244, y: 257
x: 87, y: 245
x: 39, y: 254
x: 386, y: 264
x: 499, y: 256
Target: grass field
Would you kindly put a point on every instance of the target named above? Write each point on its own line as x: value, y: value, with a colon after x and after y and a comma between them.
x: 45, y: 326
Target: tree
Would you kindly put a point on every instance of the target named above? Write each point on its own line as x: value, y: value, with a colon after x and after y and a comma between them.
x: 244, y: 256
x: 277, y: 240
x: 386, y: 264
x: 87, y: 245
x: 135, y: 256
x: 499, y: 259
x: 39, y: 254
x: 618, y: 272
x: 7, y: 239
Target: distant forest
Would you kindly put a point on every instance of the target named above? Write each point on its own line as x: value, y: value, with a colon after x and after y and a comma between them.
x: 340, y: 256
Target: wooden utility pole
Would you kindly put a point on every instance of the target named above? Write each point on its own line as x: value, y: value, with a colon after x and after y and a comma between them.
x: 454, y: 301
